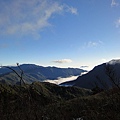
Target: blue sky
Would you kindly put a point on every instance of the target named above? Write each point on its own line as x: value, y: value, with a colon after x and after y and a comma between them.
x: 63, y: 33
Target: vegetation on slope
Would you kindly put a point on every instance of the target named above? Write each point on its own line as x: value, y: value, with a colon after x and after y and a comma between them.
x: 48, y: 101
x: 30, y: 101
x: 96, y: 107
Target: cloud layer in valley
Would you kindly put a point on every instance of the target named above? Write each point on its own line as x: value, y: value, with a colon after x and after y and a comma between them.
x: 61, y: 80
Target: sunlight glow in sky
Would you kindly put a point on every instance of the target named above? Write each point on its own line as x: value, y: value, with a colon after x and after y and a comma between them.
x: 62, y: 33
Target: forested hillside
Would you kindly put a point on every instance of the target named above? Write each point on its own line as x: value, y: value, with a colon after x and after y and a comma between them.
x: 46, y: 101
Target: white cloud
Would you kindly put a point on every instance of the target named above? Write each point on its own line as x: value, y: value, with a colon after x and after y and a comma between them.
x: 114, y: 3
x: 29, y: 17
x: 84, y: 66
x: 117, y: 23
x: 71, y: 9
x: 61, y: 80
x: 93, y: 44
x: 63, y: 61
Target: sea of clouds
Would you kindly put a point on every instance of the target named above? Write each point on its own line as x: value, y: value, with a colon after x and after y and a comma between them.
x: 61, y: 80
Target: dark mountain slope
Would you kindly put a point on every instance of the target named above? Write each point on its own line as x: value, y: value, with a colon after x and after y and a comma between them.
x: 103, y: 76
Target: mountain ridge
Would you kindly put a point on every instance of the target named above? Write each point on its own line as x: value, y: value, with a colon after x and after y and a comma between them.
x: 100, y: 76
x: 34, y: 72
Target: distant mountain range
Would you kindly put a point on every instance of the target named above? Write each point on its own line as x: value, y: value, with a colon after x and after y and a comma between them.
x: 34, y: 72
x: 47, y: 101
x: 104, y: 76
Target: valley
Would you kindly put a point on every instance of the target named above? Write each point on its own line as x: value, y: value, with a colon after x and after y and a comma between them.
x: 41, y: 100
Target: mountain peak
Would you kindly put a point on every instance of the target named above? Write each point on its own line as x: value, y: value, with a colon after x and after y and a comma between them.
x: 99, y: 76
x: 113, y: 62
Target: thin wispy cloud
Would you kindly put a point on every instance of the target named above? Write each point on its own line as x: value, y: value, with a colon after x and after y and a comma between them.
x: 114, y: 3
x: 117, y: 23
x: 63, y: 61
x: 84, y: 66
x: 71, y: 9
x: 29, y: 17
x: 93, y: 44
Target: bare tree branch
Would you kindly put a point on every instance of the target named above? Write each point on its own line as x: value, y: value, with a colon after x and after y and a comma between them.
x: 20, y: 76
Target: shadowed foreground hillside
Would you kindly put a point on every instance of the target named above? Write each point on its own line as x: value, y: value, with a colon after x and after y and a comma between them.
x: 45, y: 101
x: 29, y: 101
